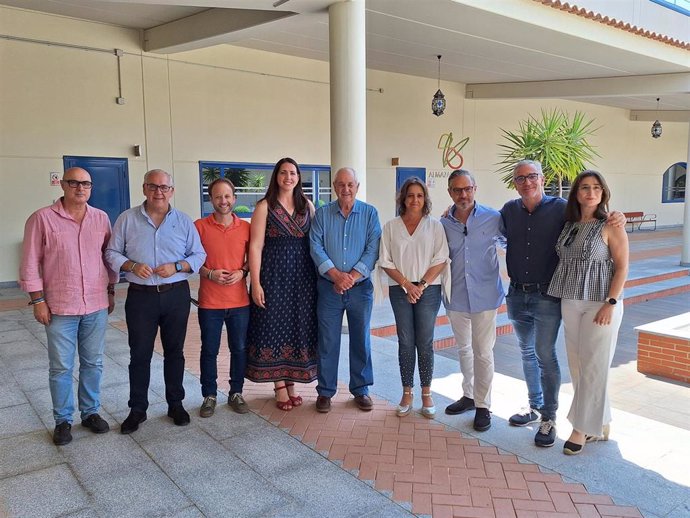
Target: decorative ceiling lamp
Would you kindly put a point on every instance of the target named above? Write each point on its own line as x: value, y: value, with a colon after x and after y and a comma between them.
x: 438, y: 103
x: 656, y: 127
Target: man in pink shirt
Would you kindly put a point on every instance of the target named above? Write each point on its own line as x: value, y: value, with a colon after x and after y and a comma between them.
x: 72, y: 292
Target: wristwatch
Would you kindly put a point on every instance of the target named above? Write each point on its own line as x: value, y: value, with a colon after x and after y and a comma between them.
x: 612, y: 301
x: 424, y: 283
x: 245, y: 272
x: 178, y: 266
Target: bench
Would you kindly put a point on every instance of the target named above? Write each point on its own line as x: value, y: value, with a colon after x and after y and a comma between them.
x: 638, y: 219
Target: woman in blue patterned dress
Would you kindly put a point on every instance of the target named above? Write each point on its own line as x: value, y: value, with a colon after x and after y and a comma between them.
x: 282, y: 339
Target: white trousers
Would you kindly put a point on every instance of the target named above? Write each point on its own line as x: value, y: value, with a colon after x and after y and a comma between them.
x: 590, y: 349
x: 475, y: 334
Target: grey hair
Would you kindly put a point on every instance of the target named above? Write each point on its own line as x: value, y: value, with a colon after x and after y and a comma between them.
x: 349, y: 170
x: 534, y: 163
x: 148, y: 175
x: 461, y: 172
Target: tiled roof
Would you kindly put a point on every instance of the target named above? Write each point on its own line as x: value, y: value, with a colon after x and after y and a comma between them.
x: 580, y: 11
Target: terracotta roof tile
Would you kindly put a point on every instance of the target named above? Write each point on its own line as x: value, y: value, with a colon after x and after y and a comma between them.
x: 591, y: 15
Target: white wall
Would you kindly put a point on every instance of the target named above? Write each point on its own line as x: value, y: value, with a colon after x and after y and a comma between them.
x: 234, y: 104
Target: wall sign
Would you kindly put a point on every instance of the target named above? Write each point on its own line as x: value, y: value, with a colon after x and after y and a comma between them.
x: 450, y: 154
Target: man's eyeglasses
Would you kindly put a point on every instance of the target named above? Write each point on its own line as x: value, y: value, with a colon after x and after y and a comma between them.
x: 76, y: 183
x: 532, y: 177
x: 152, y: 187
x: 571, y: 237
x: 460, y: 190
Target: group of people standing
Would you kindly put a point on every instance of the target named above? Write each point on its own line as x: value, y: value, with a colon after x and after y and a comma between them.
x: 307, y: 268
x: 567, y: 260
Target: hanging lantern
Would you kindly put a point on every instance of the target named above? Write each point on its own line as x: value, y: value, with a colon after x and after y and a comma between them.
x: 438, y: 103
x: 656, y: 127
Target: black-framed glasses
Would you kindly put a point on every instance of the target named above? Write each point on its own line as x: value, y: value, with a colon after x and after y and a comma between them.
x: 152, y: 187
x: 571, y: 237
x: 460, y: 190
x: 76, y: 183
x: 521, y: 179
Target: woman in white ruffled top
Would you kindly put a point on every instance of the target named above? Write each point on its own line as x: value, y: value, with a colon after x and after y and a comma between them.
x: 414, y: 252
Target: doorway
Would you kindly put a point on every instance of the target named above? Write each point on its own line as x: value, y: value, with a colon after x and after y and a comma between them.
x: 110, y: 177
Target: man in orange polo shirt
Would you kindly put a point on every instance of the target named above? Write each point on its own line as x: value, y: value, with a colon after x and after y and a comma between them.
x: 223, y: 296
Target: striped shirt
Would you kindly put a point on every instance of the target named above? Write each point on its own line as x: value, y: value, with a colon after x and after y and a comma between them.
x: 585, y: 268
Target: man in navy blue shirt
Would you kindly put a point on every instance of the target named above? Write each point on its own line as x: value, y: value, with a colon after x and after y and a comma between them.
x: 532, y: 224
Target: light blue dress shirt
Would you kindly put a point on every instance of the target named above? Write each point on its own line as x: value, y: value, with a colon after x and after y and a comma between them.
x: 475, y: 280
x: 345, y: 243
x: 136, y: 238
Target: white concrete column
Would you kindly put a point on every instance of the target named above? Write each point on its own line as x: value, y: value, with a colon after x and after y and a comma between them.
x: 685, y: 250
x: 347, y: 47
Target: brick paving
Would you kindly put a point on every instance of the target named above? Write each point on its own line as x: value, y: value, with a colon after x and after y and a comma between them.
x: 437, y: 469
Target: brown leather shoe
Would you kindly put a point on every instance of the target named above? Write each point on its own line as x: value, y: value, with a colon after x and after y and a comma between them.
x: 323, y: 404
x: 364, y: 402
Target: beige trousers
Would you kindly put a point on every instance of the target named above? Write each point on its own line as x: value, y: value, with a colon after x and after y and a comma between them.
x: 475, y: 334
x: 590, y: 349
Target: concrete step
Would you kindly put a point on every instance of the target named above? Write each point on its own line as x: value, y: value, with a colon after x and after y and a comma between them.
x: 637, y: 290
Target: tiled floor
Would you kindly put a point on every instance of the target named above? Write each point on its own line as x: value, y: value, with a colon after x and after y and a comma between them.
x: 427, y: 467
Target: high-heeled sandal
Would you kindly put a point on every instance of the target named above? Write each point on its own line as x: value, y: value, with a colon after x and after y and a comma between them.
x: 285, y: 406
x: 428, y: 411
x: 404, y: 410
x: 296, y: 400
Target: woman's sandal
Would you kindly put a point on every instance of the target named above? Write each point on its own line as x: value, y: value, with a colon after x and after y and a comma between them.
x: 286, y: 406
x: 404, y: 410
x: 428, y: 411
x: 296, y: 400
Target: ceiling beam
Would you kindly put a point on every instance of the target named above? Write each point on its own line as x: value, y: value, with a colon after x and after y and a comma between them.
x: 663, y: 116
x: 656, y: 85
x: 205, y: 29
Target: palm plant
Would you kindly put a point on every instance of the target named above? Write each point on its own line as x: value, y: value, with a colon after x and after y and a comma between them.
x: 557, y: 141
x: 238, y: 176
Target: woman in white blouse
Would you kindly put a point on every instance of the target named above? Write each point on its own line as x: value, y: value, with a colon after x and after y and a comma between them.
x: 413, y: 253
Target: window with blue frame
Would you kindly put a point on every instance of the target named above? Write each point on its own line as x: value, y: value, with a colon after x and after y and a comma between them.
x: 680, y: 6
x: 251, y: 181
x: 675, y: 177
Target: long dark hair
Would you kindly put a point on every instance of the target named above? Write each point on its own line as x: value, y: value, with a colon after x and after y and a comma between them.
x: 400, y: 201
x: 572, y: 210
x: 298, y: 197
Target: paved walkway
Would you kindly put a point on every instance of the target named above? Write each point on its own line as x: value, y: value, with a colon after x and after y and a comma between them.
x: 345, y: 463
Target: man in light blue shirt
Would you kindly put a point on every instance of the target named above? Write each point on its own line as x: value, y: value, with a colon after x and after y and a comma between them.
x: 345, y: 238
x: 157, y: 247
x: 473, y: 232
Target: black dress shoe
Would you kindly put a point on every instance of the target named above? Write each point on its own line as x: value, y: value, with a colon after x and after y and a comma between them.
x: 96, y: 424
x: 482, y: 419
x: 179, y: 415
x: 62, y: 434
x: 461, y: 405
x: 131, y: 424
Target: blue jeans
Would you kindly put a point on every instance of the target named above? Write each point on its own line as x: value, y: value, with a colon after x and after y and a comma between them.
x: 211, y: 323
x: 68, y: 334
x: 357, y: 302
x: 536, y: 318
x: 415, y: 325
